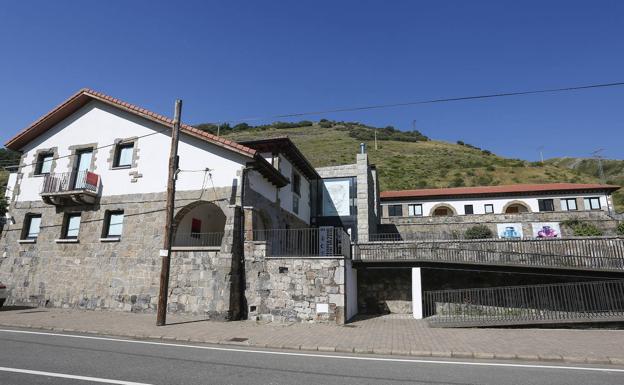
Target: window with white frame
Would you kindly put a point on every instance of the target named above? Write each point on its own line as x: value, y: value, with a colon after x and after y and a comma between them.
x: 414, y: 210
x: 489, y: 208
x: 113, y: 224
x: 32, y: 225
x: 72, y: 226
x: 568, y: 204
x: 592, y: 203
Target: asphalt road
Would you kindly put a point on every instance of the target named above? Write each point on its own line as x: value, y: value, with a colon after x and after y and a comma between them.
x: 30, y: 357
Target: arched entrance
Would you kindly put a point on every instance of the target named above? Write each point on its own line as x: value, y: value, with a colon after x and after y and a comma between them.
x: 516, y: 207
x: 442, y: 210
x: 199, y: 224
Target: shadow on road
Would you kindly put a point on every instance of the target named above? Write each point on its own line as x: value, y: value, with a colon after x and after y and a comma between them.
x: 14, y: 308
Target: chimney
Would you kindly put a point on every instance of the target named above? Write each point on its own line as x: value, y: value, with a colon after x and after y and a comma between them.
x: 362, y: 148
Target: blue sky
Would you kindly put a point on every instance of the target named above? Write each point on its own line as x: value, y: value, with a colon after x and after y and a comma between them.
x: 234, y: 59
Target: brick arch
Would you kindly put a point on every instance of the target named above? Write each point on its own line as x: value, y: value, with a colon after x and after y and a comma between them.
x: 516, y: 203
x: 439, y: 206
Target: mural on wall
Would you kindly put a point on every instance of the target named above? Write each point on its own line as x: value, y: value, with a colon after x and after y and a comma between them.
x: 546, y: 230
x: 509, y: 230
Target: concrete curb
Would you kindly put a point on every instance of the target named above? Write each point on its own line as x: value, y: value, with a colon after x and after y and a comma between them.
x: 619, y: 361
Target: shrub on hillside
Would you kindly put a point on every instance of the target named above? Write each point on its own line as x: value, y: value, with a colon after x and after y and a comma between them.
x: 582, y: 229
x: 620, y: 229
x: 478, y: 232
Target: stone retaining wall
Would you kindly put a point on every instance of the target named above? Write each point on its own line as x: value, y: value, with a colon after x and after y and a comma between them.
x: 458, y: 224
x: 382, y: 291
x: 293, y: 289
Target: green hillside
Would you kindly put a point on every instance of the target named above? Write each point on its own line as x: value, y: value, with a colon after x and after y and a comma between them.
x: 412, y: 161
x: 613, y: 172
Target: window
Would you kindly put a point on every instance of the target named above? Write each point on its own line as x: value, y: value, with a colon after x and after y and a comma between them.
x: 489, y: 208
x: 296, y: 183
x: 395, y: 210
x: 295, y: 204
x: 568, y: 204
x: 44, y: 163
x: 32, y: 224
x: 414, y: 210
x: 123, y: 154
x: 592, y: 203
x: 468, y: 209
x: 71, y: 228
x: 196, y: 225
x: 113, y: 224
x: 546, y: 205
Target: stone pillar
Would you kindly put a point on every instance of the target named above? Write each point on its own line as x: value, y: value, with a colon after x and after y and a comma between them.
x: 363, y: 199
x: 417, y: 303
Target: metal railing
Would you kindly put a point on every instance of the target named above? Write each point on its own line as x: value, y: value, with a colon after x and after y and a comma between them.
x: 70, y: 181
x: 306, y: 242
x: 198, y: 239
x: 420, y: 236
x: 595, y: 253
x: 598, y: 301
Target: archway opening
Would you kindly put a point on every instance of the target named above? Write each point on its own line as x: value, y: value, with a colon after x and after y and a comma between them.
x: 199, y: 224
x: 442, y: 211
x: 516, y: 208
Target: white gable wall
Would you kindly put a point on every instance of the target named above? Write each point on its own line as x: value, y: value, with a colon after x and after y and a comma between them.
x: 100, y: 123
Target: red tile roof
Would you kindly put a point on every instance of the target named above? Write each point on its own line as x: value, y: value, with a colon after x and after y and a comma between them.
x: 85, y: 95
x: 496, y: 190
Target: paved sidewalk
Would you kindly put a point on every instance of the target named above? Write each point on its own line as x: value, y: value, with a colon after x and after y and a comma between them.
x: 397, y: 335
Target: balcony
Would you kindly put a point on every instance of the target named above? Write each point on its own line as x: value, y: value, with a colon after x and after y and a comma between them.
x: 68, y: 188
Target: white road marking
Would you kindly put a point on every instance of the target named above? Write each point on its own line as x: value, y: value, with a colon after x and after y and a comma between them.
x: 312, y: 355
x: 69, y: 376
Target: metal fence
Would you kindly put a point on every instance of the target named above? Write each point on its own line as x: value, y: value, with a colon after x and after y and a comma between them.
x: 595, y: 253
x: 306, y: 242
x: 198, y: 239
x: 70, y: 181
x: 598, y: 301
x: 420, y: 236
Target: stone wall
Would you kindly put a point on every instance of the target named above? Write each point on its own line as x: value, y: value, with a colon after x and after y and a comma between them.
x: 293, y: 289
x: 119, y: 275
x: 457, y: 225
x: 382, y: 291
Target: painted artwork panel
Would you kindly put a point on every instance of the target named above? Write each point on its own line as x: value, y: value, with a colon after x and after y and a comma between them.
x: 546, y: 230
x: 509, y: 230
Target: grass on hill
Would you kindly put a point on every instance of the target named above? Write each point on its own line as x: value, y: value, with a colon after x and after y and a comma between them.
x: 415, y: 164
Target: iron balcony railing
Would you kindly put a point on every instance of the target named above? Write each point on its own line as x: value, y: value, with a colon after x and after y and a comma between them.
x: 598, y: 301
x: 306, y: 242
x: 70, y: 181
x: 198, y: 239
x: 587, y: 253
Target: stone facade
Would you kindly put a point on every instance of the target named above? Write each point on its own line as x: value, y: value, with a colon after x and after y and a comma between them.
x: 92, y: 273
x: 456, y: 225
x: 293, y: 289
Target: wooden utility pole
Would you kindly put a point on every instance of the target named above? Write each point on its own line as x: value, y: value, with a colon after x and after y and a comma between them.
x: 165, y: 253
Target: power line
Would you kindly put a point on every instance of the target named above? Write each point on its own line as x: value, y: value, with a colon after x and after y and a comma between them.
x: 428, y: 101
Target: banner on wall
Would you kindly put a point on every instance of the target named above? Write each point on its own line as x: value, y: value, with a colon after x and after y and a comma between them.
x: 509, y: 230
x: 546, y: 230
